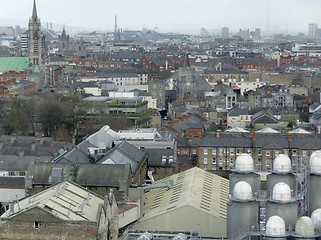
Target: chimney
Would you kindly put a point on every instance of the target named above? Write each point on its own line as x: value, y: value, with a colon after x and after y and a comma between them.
x: 222, y: 135
x: 13, y: 138
x: 11, y: 208
x: 253, y: 140
x: 290, y: 140
x: 42, y: 139
x: 1, y: 144
x: 21, y: 152
x: 33, y: 146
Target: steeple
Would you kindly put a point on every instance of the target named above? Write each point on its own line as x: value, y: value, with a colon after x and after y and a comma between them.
x: 63, y: 34
x: 34, y: 11
x: 186, y: 62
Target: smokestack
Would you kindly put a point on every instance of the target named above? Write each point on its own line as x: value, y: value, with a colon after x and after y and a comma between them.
x: 21, y: 152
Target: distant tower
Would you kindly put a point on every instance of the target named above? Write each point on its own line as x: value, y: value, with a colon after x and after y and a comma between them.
x: 64, y: 43
x: 312, y: 30
x: 116, y: 32
x: 225, y: 32
x: 186, y: 80
x: 34, y: 39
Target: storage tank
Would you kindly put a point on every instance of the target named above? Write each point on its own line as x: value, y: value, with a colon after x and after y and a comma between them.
x: 275, y: 228
x: 281, y: 173
x: 242, y: 210
x: 282, y: 204
x: 244, y: 171
x: 315, y: 182
x: 304, y: 228
x: 316, y: 218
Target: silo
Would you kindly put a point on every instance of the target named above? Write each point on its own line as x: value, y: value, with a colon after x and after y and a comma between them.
x: 304, y: 228
x: 242, y: 209
x: 275, y: 228
x: 282, y: 204
x: 244, y: 171
x: 316, y: 219
x: 281, y: 173
x: 315, y: 182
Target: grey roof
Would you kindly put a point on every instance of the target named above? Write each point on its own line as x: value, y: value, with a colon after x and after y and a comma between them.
x: 306, y: 143
x: 16, y: 163
x: 272, y: 143
x: 185, y: 142
x: 84, y: 174
x: 226, y: 142
x: 124, y: 153
x: 238, y: 111
x: 194, y: 125
x: 55, y: 58
x: 156, y: 156
x: 12, y: 182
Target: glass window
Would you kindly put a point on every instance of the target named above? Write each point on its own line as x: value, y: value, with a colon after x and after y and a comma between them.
x: 231, y: 151
x: 276, y: 153
x: 214, y: 151
x: 267, y: 153
x: 221, y: 161
x: 205, y: 151
x: 294, y: 153
x: 194, y: 151
x: 205, y: 160
x: 260, y: 152
x: 214, y: 161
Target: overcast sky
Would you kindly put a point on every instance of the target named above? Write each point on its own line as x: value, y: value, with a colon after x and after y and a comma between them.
x: 186, y: 16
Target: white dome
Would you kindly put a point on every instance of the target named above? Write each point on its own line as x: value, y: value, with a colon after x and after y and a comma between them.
x: 275, y: 226
x: 281, y: 192
x: 315, y: 153
x: 316, y: 217
x: 244, y: 162
x: 242, y: 191
x: 282, y: 163
x: 304, y: 227
x: 315, y: 162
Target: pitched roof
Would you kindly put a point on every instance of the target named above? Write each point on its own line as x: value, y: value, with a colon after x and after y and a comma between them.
x: 225, y: 142
x: 66, y: 201
x: 238, y: 111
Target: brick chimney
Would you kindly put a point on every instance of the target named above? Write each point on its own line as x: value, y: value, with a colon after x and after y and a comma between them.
x: 253, y: 140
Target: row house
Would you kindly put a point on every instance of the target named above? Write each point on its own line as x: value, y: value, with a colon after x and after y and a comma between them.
x: 124, y: 78
x: 11, y: 76
x: 220, y: 152
x: 259, y: 64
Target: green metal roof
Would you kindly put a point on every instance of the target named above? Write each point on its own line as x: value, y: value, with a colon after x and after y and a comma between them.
x: 14, y: 63
x: 36, y: 70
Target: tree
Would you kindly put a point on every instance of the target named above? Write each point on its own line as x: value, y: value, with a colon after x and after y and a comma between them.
x: 291, y: 124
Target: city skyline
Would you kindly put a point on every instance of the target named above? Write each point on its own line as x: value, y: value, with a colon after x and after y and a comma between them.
x: 287, y: 16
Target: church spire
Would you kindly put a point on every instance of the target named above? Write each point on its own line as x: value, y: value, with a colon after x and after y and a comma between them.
x: 34, y: 11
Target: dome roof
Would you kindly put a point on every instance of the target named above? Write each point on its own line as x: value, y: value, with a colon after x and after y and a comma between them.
x: 304, y: 227
x: 315, y: 162
x: 282, y: 164
x: 244, y: 163
x: 281, y: 192
x: 242, y: 191
x: 316, y: 217
x: 275, y: 226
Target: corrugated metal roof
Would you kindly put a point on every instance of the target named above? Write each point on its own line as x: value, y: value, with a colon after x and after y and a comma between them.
x: 195, y: 187
x: 66, y: 201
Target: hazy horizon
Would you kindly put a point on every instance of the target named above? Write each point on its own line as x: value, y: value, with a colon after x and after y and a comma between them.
x: 184, y: 16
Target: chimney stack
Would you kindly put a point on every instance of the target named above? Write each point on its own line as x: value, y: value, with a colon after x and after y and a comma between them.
x: 21, y: 152
x: 33, y: 146
x: 13, y: 138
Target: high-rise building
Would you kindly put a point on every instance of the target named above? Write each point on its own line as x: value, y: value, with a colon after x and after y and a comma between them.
x: 34, y: 39
x: 312, y: 30
x: 225, y: 32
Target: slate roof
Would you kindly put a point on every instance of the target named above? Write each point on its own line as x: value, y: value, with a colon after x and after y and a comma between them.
x: 12, y: 182
x: 272, y: 143
x: 226, y: 142
x: 238, y: 112
x: 155, y: 157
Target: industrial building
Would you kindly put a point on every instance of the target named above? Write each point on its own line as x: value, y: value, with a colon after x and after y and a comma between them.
x: 194, y: 206
x: 279, y: 208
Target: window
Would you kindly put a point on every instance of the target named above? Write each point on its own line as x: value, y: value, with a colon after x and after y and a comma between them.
x: 231, y: 151
x: 267, y: 163
x: 249, y: 151
x: 214, y: 151
x: 221, y: 150
x: 304, y: 153
x: 194, y: 151
x: 260, y: 152
x: 185, y: 150
x: 231, y: 161
x: 238, y: 151
x: 294, y: 153
x: 214, y: 161
x: 36, y: 225
x: 205, y: 151
x: 276, y: 153
x: 268, y: 153
x: 221, y: 161
x: 286, y: 152
x: 205, y: 160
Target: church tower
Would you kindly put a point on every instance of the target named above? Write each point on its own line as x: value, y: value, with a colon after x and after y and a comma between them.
x: 63, y: 41
x: 34, y: 40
